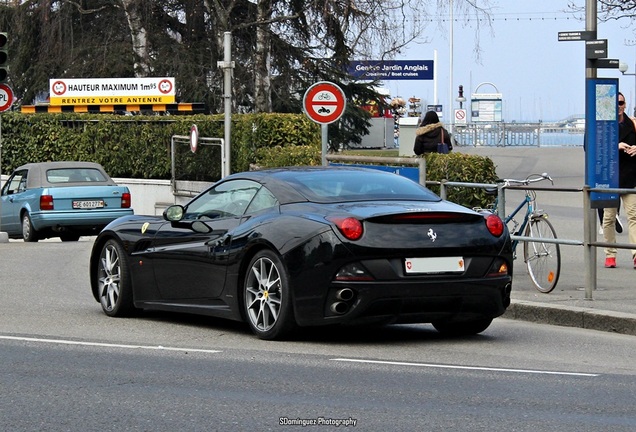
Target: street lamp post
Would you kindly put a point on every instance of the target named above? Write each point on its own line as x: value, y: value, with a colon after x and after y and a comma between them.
x: 623, y: 67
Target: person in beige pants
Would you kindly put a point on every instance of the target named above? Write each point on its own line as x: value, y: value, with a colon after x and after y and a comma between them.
x: 626, y: 180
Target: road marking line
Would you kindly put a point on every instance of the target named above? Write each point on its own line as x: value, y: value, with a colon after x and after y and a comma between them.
x: 440, y: 366
x: 99, y: 344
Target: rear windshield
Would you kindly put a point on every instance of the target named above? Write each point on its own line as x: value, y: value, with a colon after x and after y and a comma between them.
x: 74, y: 175
x: 356, y: 185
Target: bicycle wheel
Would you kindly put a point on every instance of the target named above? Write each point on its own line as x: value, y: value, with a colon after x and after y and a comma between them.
x: 542, y: 259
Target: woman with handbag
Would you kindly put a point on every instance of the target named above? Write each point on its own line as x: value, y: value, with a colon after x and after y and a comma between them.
x: 431, y: 137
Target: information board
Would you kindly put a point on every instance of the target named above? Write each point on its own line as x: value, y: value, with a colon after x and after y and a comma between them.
x: 485, y: 107
x: 601, y: 140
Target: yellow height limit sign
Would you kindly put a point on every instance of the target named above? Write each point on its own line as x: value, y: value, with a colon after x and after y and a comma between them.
x: 6, y: 97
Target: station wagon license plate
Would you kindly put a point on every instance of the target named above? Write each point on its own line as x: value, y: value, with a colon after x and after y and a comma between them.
x: 434, y: 265
x: 88, y: 204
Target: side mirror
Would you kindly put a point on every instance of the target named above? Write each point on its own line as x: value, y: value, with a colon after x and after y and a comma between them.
x: 174, y: 213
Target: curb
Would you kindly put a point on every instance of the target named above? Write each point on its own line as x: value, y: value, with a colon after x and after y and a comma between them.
x: 571, y: 316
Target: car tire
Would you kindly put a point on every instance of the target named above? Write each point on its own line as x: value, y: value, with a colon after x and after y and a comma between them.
x: 113, y: 281
x: 69, y: 237
x: 29, y: 234
x: 462, y: 328
x: 267, y: 299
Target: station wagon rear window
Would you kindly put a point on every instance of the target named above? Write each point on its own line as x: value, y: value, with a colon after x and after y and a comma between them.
x: 74, y: 175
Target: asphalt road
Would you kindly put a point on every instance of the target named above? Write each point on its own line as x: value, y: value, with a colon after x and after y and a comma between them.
x: 65, y: 366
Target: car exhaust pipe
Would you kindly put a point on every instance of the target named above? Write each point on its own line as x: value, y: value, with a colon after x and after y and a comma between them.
x: 345, y: 294
x: 339, y: 307
x: 506, y: 295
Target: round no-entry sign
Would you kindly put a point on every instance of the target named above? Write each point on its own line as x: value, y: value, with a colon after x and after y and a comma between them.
x: 194, y: 138
x: 324, y: 102
x: 6, y: 97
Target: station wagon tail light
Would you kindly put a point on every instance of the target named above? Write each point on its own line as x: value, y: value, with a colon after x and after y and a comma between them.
x: 46, y: 202
x: 350, y: 227
x: 494, y: 224
x: 125, y: 200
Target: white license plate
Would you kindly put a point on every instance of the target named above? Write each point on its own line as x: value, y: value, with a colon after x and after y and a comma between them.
x: 88, y: 204
x: 434, y: 265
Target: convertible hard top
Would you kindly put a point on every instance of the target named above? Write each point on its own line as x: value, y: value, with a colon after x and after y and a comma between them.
x: 37, y: 176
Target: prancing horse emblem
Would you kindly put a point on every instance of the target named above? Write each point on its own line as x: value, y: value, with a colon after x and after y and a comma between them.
x: 431, y: 234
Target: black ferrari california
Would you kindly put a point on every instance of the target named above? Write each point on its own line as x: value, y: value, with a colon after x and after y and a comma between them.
x: 308, y: 246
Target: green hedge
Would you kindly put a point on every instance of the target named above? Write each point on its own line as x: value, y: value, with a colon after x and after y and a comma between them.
x: 139, y: 147
x: 460, y: 167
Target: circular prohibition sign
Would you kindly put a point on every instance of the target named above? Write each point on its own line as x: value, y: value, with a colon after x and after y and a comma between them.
x: 324, y: 102
x: 6, y: 97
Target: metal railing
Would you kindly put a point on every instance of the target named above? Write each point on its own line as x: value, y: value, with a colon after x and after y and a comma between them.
x: 589, y: 241
x: 500, y: 134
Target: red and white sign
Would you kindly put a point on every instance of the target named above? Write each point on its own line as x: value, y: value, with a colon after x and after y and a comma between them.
x: 111, y: 91
x: 324, y: 102
x: 194, y: 138
x: 460, y: 116
x: 6, y: 97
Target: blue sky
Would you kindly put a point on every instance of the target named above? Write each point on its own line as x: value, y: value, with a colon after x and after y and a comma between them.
x: 538, y: 76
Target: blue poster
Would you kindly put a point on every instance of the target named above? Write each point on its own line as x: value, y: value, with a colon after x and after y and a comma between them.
x: 601, y: 140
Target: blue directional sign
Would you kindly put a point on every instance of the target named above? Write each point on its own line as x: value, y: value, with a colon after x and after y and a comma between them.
x: 384, y: 70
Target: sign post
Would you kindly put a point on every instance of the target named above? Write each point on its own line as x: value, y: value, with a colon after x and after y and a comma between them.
x: 6, y: 100
x: 324, y: 103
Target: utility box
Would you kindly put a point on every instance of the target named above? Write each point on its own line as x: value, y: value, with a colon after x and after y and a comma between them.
x: 407, y: 135
x: 380, y: 134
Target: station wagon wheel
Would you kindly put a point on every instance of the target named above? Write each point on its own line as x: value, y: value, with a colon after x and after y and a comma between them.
x: 113, y: 281
x: 69, y: 237
x: 29, y: 234
x: 462, y: 328
x: 266, y: 297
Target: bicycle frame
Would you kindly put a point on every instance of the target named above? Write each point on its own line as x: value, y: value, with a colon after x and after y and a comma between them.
x: 542, y: 259
x: 519, y: 228
x: 528, y: 203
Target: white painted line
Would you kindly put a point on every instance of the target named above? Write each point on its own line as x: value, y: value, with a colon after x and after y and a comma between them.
x: 440, y: 366
x: 99, y: 344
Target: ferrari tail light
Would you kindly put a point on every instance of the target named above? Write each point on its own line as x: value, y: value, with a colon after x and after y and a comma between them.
x: 350, y: 227
x: 494, y: 224
x: 353, y: 272
x: 125, y: 200
x: 46, y: 202
x: 498, y: 268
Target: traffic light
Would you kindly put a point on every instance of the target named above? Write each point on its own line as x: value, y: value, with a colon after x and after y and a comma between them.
x: 4, y: 58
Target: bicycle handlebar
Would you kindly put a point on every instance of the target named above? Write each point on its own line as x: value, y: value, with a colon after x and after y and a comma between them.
x: 532, y: 178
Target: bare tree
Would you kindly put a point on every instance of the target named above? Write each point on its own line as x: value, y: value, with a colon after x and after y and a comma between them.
x: 139, y: 37
x: 279, y: 46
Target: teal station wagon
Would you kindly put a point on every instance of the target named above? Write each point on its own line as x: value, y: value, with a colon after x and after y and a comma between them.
x: 60, y: 199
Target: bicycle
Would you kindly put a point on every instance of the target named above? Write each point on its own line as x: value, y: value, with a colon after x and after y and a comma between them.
x: 542, y: 258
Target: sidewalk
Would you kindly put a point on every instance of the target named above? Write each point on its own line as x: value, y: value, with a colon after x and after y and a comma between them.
x: 613, y: 304
x: 611, y: 309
